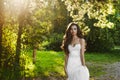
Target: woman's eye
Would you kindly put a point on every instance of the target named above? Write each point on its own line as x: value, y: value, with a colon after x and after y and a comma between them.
x: 75, y: 29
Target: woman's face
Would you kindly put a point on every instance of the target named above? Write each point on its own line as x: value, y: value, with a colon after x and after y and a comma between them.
x: 73, y: 30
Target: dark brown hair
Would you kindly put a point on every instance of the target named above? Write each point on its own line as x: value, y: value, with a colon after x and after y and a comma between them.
x: 67, y: 38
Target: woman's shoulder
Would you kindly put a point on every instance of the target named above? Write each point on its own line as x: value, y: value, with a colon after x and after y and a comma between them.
x: 82, y: 39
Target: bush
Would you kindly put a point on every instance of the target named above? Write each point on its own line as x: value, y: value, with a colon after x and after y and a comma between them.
x: 26, y: 65
x: 100, y: 41
x: 55, y: 42
x: 100, y: 45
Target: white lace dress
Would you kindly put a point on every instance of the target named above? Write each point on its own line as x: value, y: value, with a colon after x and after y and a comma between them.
x: 75, y: 70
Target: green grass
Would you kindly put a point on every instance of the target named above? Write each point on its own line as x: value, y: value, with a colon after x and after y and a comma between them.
x: 102, y: 57
x: 50, y: 63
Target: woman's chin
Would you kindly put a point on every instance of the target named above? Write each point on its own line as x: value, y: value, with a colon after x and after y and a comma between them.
x: 73, y: 34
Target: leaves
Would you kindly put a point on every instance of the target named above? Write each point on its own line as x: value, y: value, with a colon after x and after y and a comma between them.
x: 96, y: 10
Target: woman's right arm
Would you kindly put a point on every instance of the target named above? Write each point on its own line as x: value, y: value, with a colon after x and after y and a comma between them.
x: 65, y: 65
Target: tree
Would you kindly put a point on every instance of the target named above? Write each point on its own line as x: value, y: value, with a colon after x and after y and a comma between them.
x: 1, y: 23
x: 116, y: 20
x: 60, y: 19
x: 92, y: 16
x: 39, y: 27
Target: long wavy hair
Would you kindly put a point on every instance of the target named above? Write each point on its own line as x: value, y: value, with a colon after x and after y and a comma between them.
x: 67, y: 38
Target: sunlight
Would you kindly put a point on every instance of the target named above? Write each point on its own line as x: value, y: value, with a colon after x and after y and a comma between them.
x: 17, y: 6
x: 110, y: 9
x: 14, y: 3
x: 17, y: 3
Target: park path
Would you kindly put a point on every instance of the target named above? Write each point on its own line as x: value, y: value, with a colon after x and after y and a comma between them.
x: 112, y: 72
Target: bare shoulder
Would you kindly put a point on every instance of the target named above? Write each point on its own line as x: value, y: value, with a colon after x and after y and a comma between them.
x: 82, y: 40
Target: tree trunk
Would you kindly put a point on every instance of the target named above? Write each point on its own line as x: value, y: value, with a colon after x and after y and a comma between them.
x: 1, y: 23
x: 34, y: 54
x: 1, y: 39
x: 35, y: 46
x: 21, y: 19
x: 18, y: 47
x: 1, y: 26
x: 18, y: 51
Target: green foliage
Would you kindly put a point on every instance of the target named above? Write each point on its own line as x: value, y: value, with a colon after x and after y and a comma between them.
x: 7, y: 74
x: 98, y: 37
x: 55, y: 42
x: 26, y: 65
x: 92, y: 14
x: 97, y: 10
x: 59, y: 19
x: 116, y: 36
x: 7, y: 57
x: 116, y: 20
x: 38, y: 26
x: 59, y: 24
x: 103, y: 46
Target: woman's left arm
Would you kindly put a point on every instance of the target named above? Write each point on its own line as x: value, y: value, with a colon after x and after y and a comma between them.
x: 82, y: 51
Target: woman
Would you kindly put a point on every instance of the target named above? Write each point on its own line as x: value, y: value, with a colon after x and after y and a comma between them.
x: 74, y: 48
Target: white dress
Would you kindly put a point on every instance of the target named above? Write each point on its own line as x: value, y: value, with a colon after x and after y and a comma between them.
x: 75, y: 70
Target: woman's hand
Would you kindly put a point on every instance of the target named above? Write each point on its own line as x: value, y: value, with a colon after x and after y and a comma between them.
x: 83, y: 64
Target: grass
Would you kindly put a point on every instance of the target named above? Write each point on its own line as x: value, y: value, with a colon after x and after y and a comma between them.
x: 102, y: 57
x: 50, y: 63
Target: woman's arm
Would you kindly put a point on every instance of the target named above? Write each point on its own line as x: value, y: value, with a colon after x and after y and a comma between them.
x: 65, y: 65
x: 82, y: 41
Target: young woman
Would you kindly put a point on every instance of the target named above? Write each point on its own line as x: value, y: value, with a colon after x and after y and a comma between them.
x: 74, y: 48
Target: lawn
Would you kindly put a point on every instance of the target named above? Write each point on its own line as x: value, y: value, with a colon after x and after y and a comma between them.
x: 50, y: 63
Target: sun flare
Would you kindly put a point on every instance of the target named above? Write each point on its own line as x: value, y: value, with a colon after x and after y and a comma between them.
x: 16, y: 6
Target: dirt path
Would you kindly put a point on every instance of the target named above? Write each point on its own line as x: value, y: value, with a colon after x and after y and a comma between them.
x: 112, y: 72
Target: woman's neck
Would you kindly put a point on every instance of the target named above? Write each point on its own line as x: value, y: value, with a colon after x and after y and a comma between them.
x: 75, y: 37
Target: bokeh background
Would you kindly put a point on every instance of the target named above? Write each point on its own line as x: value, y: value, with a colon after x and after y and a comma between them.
x: 31, y: 33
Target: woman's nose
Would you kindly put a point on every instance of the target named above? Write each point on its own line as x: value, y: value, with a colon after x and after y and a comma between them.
x: 73, y: 30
